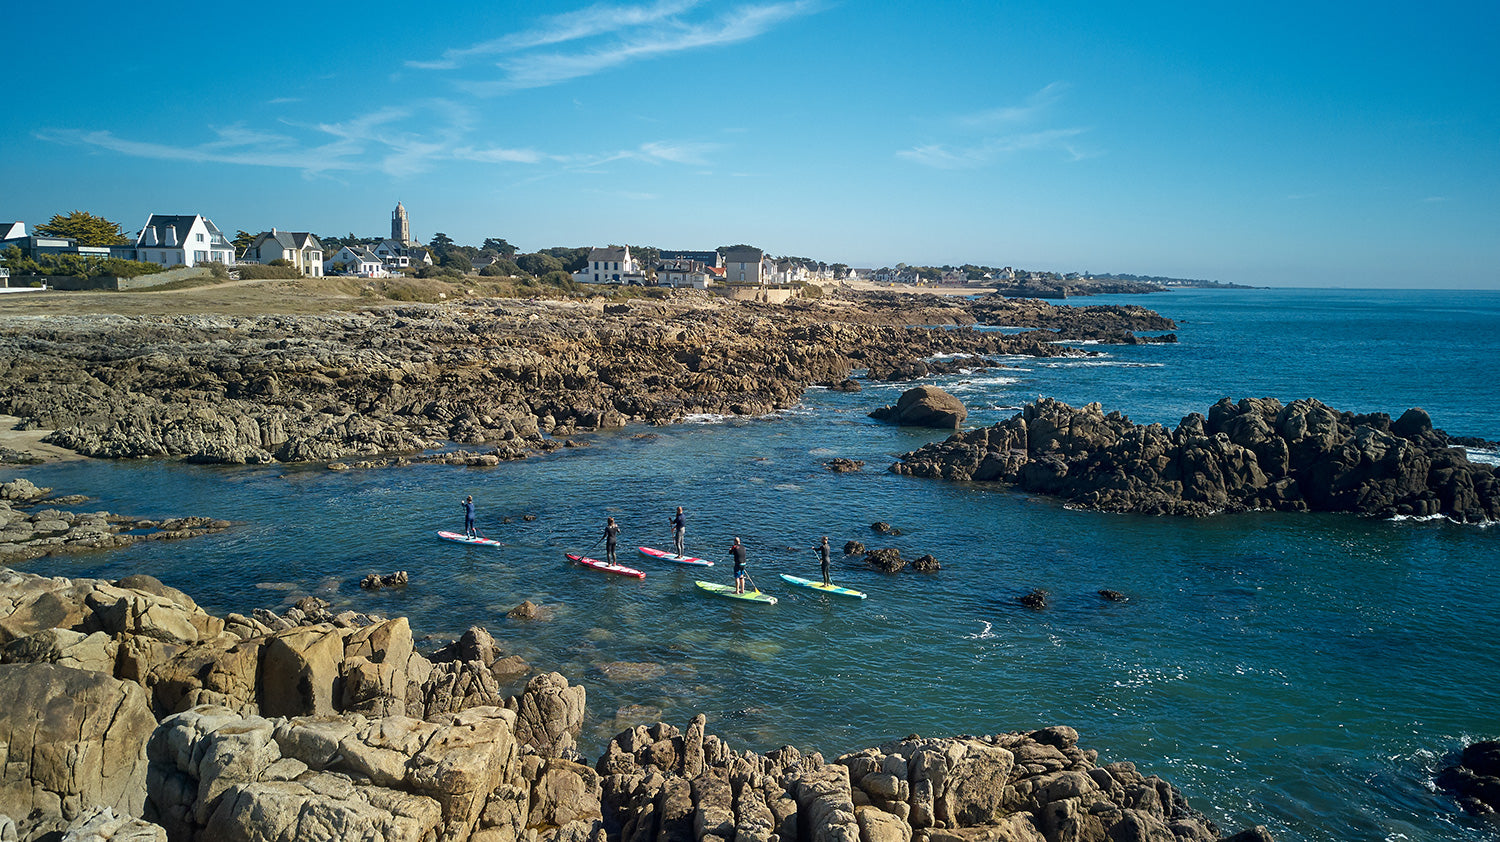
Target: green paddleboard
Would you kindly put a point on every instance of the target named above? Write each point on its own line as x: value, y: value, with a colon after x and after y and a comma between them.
x: 727, y: 591
x: 812, y: 584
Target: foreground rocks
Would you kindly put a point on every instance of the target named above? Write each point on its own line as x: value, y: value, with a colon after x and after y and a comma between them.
x: 512, y: 375
x: 1255, y: 454
x: 925, y: 406
x: 129, y: 713
x: 662, y: 783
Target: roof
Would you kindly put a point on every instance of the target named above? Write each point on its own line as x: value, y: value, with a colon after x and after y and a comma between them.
x: 12, y: 230
x: 181, y: 223
x: 610, y: 253
x: 743, y: 255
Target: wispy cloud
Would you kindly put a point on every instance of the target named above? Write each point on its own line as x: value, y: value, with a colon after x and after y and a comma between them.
x: 603, y: 37
x: 994, y: 133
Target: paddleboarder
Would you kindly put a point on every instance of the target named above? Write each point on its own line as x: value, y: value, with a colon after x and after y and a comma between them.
x: 822, y: 551
x: 469, y: 530
x: 679, y: 528
x: 611, y: 535
x: 738, y: 551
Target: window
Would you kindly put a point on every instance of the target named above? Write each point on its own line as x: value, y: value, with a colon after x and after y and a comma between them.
x: 200, y: 238
x: 200, y: 257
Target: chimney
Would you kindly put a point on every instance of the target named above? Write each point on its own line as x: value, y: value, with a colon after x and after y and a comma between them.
x: 171, y: 241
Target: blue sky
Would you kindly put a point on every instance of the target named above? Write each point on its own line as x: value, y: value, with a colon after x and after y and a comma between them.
x: 1271, y: 143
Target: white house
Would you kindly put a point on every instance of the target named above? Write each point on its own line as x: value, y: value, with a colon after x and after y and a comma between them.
x: 299, y: 248
x: 356, y: 260
x: 610, y: 265
x: 186, y: 240
x: 690, y: 274
x: 399, y: 255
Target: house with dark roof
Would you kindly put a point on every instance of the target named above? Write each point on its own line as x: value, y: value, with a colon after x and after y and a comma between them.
x: 748, y: 266
x: 610, y: 265
x: 356, y: 260
x: 711, y: 259
x: 186, y: 240
x: 299, y: 248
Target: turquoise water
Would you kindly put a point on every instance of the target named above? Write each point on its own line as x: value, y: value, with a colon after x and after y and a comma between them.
x: 1307, y: 672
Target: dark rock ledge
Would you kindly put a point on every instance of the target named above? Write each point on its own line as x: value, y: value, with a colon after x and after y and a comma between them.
x: 1255, y: 454
x: 129, y: 713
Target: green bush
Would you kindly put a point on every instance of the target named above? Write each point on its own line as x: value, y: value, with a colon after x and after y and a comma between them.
x: 77, y: 265
x: 280, y: 261
x: 560, y: 279
x: 257, y: 272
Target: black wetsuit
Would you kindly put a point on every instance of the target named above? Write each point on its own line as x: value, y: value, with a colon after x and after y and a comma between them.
x: 469, y: 517
x: 823, y: 555
x: 679, y: 528
x: 611, y: 532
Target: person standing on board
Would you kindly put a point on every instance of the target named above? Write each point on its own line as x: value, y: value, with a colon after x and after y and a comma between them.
x: 679, y: 528
x: 469, y: 530
x: 611, y: 535
x: 738, y: 551
x: 822, y: 551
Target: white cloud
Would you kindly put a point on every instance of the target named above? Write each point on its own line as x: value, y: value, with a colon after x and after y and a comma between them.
x: 626, y: 34
x: 973, y: 152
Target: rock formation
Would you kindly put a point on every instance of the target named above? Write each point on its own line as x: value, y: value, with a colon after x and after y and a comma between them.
x: 924, y: 406
x: 315, y: 725
x: 1475, y: 779
x: 50, y: 531
x: 1254, y: 454
x: 503, y: 374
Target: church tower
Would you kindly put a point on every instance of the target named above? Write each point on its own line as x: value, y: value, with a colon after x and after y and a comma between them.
x: 400, y: 225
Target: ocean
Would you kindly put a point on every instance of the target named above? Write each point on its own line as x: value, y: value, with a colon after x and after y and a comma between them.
x: 1309, y: 672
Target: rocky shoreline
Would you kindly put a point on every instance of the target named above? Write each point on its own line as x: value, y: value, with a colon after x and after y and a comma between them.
x: 518, y: 377
x: 1254, y: 454
x: 49, y: 531
x: 130, y: 713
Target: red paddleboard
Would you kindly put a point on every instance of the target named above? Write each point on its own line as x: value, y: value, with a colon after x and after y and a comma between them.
x: 652, y: 552
x: 595, y: 563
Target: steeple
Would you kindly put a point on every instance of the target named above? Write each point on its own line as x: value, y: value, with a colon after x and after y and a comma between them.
x: 400, y: 225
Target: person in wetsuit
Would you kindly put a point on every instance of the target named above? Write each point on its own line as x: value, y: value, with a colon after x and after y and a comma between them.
x: 611, y: 535
x: 679, y: 528
x: 822, y: 551
x: 738, y: 551
x: 469, y: 530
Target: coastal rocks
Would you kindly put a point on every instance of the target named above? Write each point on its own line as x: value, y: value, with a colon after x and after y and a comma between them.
x: 1254, y: 454
x: 1475, y: 779
x: 376, y: 581
x: 73, y: 739
x: 217, y: 775
x: 1035, y: 599
x: 886, y: 560
x: 52, y: 531
x: 662, y: 783
x: 926, y: 564
x: 924, y: 406
x: 844, y: 466
x: 853, y: 548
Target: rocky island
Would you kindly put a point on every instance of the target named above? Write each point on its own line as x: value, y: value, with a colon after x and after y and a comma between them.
x: 1254, y: 454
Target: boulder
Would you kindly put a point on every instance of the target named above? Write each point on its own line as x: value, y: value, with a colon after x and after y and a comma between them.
x: 73, y: 739
x: 925, y: 406
x: 549, y: 714
x: 299, y: 669
x: 1475, y: 779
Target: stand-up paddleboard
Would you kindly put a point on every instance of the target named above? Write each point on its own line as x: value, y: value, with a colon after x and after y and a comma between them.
x: 727, y: 591
x: 663, y: 555
x: 466, y: 539
x: 595, y: 563
x: 813, y: 584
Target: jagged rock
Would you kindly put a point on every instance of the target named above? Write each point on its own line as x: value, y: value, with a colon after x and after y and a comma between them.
x: 844, y: 466
x: 926, y: 564
x: 1035, y: 599
x: 375, y: 581
x: 1113, y: 596
x: 1255, y: 454
x: 299, y: 668
x: 549, y: 714
x: 1475, y: 779
x: 73, y: 739
x: 925, y: 406
x: 853, y: 548
x: 527, y: 610
x: 886, y: 561
x: 884, y: 528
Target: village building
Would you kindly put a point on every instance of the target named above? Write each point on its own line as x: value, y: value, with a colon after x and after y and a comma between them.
x: 359, y: 261
x: 299, y: 248
x: 611, y: 265
x: 171, y: 240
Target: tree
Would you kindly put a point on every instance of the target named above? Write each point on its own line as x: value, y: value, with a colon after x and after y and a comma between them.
x: 441, y: 241
x: 242, y: 240
x: 456, y: 259
x: 539, y: 264
x: 85, y: 228
x: 573, y: 259
x: 499, y: 246
x: 501, y: 268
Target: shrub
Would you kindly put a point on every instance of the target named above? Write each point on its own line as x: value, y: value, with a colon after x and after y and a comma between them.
x: 560, y: 279
x: 257, y: 272
x: 280, y: 261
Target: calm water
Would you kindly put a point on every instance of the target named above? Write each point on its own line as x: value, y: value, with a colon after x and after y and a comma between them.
x: 1303, y: 671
